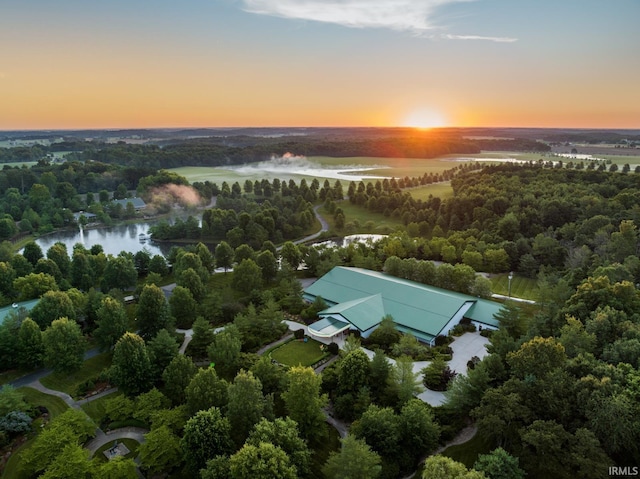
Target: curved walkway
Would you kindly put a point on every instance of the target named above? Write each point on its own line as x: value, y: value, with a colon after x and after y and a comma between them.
x: 102, y: 438
x: 324, y: 226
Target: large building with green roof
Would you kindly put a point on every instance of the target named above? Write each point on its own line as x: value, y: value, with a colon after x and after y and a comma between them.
x: 360, y: 298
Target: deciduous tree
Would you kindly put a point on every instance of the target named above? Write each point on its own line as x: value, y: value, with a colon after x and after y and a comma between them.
x: 63, y: 345
x: 112, y: 323
x: 355, y: 459
x: 206, y: 435
x: 152, y: 312
x: 131, y: 367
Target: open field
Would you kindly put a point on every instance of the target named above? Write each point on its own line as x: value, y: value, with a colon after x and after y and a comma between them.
x: 294, y: 353
x: 20, y: 164
x: 325, y: 167
x: 69, y: 383
x: 441, y: 190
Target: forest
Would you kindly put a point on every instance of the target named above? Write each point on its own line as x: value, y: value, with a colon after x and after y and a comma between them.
x: 560, y: 381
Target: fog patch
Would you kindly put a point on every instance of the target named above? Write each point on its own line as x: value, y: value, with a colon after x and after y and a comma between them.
x: 163, y: 198
x: 291, y: 164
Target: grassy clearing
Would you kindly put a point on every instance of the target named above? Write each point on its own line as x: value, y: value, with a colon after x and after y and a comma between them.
x: 521, y: 287
x: 54, y: 404
x: 440, y: 190
x: 467, y: 453
x: 294, y: 353
x: 96, y: 409
x: 379, y: 223
x: 131, y: 444
x: 69, y: 383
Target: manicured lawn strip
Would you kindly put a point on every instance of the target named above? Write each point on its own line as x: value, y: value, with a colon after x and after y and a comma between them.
x: 13, y: 468
x: 294, y: 353
x: 467, y: 453
x: 521, y: 287
x: 8, y: 376
x: 69, y: 383
x: 131, y: 444
x: 54, y: 404
x: 96, y: 409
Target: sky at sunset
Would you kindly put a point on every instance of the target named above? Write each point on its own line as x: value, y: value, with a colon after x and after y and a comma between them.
x: 131, y: 63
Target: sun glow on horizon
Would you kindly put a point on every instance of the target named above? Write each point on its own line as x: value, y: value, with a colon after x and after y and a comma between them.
x: 424, y: 118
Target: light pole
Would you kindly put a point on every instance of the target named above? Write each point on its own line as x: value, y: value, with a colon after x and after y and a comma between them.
x: 510, y: 278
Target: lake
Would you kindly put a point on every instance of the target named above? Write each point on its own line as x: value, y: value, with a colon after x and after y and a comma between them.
x: 113, y: 239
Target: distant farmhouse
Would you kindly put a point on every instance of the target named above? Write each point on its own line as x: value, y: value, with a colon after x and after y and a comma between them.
x: 360, y: 298
x: 138, y: 203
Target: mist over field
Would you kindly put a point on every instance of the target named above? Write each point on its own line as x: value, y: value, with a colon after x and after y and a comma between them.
x: 291, y: 164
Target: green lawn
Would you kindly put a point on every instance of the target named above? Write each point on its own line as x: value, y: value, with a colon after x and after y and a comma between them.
x: 521, y: 287
x: 96, y: 409
x: 8, y: 376
x: 131, y: 444
x: 54, y: 404
x: 467, y: 453
x: 368, y: 221
x: 69, y: 383
x: 439, y: 190
x: 294, y: 353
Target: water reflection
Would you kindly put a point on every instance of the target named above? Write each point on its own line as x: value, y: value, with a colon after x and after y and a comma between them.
x: 347, y: 240
x: 113, y: 239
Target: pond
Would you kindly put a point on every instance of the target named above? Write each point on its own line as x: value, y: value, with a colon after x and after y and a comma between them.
x: 131, y: 238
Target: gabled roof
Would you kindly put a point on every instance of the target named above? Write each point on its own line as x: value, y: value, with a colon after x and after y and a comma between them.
x: 414, y: 306
x: 364, y: 313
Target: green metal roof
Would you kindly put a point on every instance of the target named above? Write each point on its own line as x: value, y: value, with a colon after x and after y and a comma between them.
x: 418, y: 307
x: 483, y: 311
x: 364, y: 313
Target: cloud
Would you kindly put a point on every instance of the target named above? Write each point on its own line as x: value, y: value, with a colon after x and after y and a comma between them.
x: 479, y: 37
x: 414, y: 16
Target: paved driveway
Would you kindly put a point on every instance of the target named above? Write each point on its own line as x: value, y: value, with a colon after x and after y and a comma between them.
x: 464, y: 348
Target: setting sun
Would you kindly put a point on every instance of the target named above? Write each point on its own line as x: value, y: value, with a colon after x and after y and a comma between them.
x: 424, y: 118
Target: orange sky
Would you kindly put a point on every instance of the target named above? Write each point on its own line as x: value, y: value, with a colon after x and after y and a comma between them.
x: 259, y: 63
